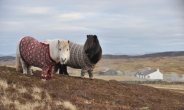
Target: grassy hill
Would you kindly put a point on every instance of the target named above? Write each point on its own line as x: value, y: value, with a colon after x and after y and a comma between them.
x: 151, y: 55
x: 166, y: 65
x: 18, y: 91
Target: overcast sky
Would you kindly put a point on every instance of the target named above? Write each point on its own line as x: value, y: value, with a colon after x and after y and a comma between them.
x: 122, y: 26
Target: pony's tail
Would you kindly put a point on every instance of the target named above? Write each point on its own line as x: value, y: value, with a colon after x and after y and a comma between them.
x: 18, y: 64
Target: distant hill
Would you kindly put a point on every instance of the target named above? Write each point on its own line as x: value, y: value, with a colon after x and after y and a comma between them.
x: 7, y: 58
x: 110, y: 56
x: 3, y: 55
x: 160, y: 54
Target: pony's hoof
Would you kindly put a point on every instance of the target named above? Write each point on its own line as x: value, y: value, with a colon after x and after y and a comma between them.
x: 82, y: 77
x: 91, y: 78
x: 31, y: 74
x: 24, y: 73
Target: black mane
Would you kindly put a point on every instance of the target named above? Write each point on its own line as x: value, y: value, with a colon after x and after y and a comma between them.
x: 93, y: 49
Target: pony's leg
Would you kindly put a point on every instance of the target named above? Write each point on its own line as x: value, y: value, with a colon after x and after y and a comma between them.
x: 83, y: 73
x: 49, y: 73
x: 44, y: 74
x: 24, y: 66
x: 56, y: 67
x: 61, y: 69
x: 90, y: 72
x: 29, y: 70
x: 65, y: 70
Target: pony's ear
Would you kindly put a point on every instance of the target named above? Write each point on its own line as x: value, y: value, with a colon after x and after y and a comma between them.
x: 95, y: 36
x: 87, y: 36
x: 58, y: 44
x: 68, y: 41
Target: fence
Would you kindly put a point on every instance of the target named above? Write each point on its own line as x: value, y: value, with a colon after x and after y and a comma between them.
x: 154, y: 82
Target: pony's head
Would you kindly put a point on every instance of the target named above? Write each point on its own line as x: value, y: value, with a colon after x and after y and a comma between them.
x: 63, y: 50
x: 93, y: 49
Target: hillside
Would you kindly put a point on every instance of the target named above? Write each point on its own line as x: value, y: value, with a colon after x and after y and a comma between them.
x: 6, y: 58
x: 110, y: 56
x: 152, y: 55
x: 20, y: 91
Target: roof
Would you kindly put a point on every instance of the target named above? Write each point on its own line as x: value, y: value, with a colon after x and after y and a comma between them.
x: 146, y: 72
x: 105, y: 70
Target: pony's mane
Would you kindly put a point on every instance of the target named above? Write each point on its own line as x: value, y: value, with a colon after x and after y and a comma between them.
x: 93, y: 49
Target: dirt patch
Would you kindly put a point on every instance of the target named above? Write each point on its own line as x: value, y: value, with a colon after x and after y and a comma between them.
x: 88, y: 94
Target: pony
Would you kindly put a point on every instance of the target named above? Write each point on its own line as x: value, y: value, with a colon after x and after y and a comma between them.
x: 31, y: 52
x: 83, y: 57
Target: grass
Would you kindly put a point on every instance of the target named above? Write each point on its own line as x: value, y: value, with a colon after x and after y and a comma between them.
x: 64, y: 92
x: 68, y: 105
x: 20, y: 98
x: 175, y: 88
x: 3, y: 85
x: 22, y: 90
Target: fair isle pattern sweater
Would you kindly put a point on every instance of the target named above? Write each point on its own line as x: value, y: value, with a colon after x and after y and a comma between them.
x: 37, y: 54
x: 79, y: 60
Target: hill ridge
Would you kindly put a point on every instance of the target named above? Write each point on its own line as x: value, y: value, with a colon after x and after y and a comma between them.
x: 159, y: 54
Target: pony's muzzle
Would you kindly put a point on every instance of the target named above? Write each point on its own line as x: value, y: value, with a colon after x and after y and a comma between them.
x: 63, y: 60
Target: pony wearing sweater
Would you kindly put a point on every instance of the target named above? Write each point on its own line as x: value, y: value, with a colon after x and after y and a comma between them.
x: 31, y: 52
x: 83, y: 57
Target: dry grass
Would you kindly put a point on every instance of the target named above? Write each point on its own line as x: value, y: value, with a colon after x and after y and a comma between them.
x: 29, y: 92
x: 176, y: 88
x: 15, y: 100
x: 22, y: 90
x: 3, y: 84
x: 8, y: 101
x: 37, y: 93
x: 68, y: 105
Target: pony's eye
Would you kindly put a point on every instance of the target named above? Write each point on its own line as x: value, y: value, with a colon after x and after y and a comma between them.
x: 67, y: 49
x: 59, y: 49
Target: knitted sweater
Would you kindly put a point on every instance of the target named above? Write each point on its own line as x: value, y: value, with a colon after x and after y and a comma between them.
x: 79, y: 60
x: 37, y: 54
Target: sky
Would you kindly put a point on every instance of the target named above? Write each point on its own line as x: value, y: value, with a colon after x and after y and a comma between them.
x: 122, y: 26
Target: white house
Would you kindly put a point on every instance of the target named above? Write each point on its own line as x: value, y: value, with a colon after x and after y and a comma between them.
x: 150, y: 74
x: 182, y: 77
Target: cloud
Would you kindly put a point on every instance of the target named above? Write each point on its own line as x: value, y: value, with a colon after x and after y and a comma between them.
x: 34, y: 10
x: 178, y: 35
x: 68, y: 16
x: 130, y: 25
x: 172, y: 44
x: 6, y: 44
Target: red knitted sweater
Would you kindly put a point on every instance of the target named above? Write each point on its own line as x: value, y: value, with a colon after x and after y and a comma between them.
x: 37, y: 54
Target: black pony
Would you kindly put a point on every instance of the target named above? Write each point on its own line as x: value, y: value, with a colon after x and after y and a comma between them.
x: 82, y: 57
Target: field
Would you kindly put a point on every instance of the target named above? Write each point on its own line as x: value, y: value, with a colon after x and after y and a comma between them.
x: 132, y: 65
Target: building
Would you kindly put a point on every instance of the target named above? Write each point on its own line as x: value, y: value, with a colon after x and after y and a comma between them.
x: 150, y: 74
x: 108, y: 71
x: 182, y: 77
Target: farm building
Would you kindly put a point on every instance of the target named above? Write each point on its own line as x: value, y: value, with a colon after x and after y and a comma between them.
x: 108, y: 71
x: 150, y: 74
x: 182, y: 77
